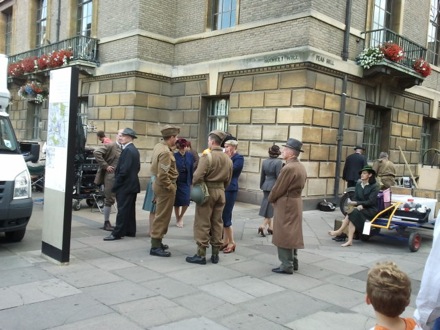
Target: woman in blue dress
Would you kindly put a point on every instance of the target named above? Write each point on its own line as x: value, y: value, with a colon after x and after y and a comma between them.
x: 185, y: 167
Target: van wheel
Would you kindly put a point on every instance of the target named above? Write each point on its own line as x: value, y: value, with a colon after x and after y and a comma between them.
x: 15, y: 236
x: 76, y: 205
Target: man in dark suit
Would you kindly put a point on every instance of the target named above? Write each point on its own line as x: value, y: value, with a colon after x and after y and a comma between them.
x: 353, y: 164
x: 126, y: 187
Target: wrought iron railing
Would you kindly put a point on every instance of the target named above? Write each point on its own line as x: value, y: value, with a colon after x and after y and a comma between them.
x: 413, y: 51
x: 83, y: 48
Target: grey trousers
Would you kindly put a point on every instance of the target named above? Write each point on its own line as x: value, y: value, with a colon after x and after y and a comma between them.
x: 288, y: 258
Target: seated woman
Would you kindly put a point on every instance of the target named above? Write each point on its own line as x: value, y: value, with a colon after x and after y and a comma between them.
x: 364, y: 205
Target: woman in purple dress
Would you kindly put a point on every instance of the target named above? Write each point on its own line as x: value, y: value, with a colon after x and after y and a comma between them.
x: 185, y: 167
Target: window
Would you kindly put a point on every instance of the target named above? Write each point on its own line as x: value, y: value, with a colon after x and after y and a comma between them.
x: 224, y: 14
x: 34, y: 123
x: 429, y: 134
x: 218, y: 110
x: 41, y: 22
x: 433, y: 33
x: 372, y: 133
x: 377, y: 128
x: 8, y: 31
x: 386, y: 16
x: 84, y: 24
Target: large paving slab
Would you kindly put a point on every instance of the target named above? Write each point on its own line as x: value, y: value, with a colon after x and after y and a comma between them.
x: 119, y: 285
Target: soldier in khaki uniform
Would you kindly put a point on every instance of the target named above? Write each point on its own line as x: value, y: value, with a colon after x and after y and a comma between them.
x: 208, y: 223
x: 386, y: 171
x: 163, y: 167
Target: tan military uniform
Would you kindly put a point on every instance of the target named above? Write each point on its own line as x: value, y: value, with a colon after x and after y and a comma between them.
x: 386, y: 172
x: 163, y: 166
x: 208, y: 223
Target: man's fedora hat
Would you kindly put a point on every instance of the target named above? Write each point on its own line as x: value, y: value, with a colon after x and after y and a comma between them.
x: 130, y: 132
x: 294, y: 144
x: 170, y: 130
x: 359, y: 147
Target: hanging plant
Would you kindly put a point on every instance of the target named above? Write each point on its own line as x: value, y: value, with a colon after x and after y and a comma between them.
x: 422, y: 66
x: 33, y: 91
x: 392, y: 51
x: 369, y: 57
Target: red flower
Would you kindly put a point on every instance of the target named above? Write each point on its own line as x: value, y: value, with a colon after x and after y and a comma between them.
x: 422, y: 67
x: 392, y: 51
x: 15, y: 69
x: 28, y: 64
x: 43, y: 62
x: 60, y: 57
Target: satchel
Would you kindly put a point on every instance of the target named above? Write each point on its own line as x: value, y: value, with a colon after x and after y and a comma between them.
x: 326, y: 206
x: 199, y: 192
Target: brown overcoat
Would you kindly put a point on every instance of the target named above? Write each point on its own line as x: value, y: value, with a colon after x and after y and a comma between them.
x: 288, y: 206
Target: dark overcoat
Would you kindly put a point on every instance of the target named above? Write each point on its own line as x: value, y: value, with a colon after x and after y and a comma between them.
x: 288, y: 206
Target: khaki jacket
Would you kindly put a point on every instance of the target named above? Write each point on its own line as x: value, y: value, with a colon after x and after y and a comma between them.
x: 163, y: 166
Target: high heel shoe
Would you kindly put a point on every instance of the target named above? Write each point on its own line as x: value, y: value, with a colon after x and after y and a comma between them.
x: 261, y: 232
x: 269, y: 231
x: 229, y: 248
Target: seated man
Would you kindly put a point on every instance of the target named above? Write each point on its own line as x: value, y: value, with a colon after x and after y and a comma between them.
x: 364, y: 205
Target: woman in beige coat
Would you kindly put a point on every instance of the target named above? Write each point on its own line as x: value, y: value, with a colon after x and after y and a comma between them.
x: 288, y: 207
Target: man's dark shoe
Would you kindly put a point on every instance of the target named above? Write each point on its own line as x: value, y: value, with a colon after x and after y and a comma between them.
x: 340, y: 238
x: 278, y: 270
x: 196, y: 260
x: 111, y: 238
x: 159, y: 252
x: 107, y: 226
x: 295, y: 265
x: 130, y: 234
x: 215, y: 258
x: 164, y: 246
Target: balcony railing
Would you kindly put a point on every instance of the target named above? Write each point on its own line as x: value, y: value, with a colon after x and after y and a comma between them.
x: 413, y: 51
x: 83, y: 48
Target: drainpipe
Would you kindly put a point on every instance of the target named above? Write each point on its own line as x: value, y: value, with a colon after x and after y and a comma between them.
x: 340, y: 136
x: 58, y: 20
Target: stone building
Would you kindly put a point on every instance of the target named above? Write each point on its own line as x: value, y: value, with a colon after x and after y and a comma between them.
x: 262, y: 70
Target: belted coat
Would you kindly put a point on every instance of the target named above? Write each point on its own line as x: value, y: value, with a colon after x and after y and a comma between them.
x: 288, y: 206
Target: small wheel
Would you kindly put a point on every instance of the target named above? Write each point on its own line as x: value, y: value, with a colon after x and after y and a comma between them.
x: 76, y: 205
x: 90, y: 202
x: 100, y: 202
x: 414, y: 241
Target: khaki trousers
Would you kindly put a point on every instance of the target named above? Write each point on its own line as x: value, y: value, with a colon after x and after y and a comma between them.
x: 164, y: 209
x: 208, y: 223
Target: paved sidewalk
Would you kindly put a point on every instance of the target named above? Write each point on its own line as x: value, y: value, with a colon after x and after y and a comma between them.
x: 118, y: 285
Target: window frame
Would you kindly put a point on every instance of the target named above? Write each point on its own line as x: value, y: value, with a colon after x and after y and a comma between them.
x: 84, y: 17
x: 8, y: 31
x: 433, y: 36
x: 41, y: 23
x: 216, y: 120
x: 230, y: 12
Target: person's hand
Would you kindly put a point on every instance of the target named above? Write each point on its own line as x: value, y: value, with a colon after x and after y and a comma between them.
x: 110, y: 169
x: 359, y: 207
x: 352, y: 203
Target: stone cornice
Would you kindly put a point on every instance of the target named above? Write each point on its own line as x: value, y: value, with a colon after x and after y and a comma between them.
x: 144, y: 75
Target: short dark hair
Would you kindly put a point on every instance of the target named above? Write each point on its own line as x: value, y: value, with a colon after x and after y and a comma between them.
x: 215, y: 138
x: 100, y: 134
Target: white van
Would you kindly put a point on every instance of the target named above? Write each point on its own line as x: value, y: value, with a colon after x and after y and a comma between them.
x: 15, y: 182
